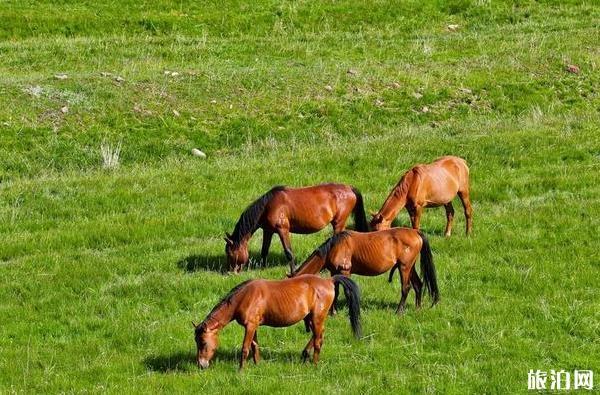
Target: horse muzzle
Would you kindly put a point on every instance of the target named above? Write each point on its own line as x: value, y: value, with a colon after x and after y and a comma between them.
x: 203, y: 363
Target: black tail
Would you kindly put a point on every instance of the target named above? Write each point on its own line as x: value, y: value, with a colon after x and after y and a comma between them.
x: 360, y: 218
x: 428, y: 269
x: 353, y: 298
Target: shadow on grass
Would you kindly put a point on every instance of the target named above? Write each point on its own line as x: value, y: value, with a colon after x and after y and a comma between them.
x: 376, y: 304
x: 218, y: 263
x: 212, y: 263
x: 391, y: 305
x: 186, y: 361
x: 176, y: 362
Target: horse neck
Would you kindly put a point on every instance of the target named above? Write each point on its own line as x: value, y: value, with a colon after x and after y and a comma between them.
x: 243, y: 240
x: 219, y: 318
x: 312, y: 265
x: 396, y: 200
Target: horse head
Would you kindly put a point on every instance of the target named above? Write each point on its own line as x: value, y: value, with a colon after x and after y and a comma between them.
x: 207, y: 341
x: 378, y: 222
x: 237, y: 253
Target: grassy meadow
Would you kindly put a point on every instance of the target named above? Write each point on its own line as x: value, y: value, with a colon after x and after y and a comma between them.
x: 102, y: 270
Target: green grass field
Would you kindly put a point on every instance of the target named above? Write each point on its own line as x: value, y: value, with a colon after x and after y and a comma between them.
x: 101, y: 271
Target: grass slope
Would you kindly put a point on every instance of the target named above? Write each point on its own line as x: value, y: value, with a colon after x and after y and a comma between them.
x: 102, y: 271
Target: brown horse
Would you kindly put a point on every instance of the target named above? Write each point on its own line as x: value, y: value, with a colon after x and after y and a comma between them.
x: 276, y: 303
x: 431, y: 185
x: 374, y: 253
x: 293, y: 210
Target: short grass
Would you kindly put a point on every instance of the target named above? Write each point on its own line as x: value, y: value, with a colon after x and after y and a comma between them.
x: 101, y: 271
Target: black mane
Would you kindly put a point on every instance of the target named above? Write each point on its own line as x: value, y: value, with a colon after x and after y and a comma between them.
x: 248, y: 222
x: 226, y: 300
x: 324, y: 248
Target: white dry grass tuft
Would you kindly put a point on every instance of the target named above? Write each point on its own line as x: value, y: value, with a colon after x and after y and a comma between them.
x: 110, y: 155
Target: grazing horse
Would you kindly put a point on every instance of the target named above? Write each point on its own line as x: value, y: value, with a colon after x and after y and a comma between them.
x: 431, y: 185
x: 276, y: 303
x: 374, y: 253
x: 285, y: 210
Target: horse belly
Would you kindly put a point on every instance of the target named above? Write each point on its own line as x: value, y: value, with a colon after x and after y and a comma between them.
x: 370, y: 268
x: 310, y: 213
x: 369, y: 271
x: 285, y: 315
x: 441, y: 191
x: 310, y: 223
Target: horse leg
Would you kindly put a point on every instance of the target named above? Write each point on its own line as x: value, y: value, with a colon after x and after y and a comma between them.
x: 267, y: 236
x: 466, y: 202
x: 318, y: 329
x: 339, y: 220
x: 284, y: 236
x: 255, y: 352
x: 411, y: 215
x: 250, y: 330
x: 338, y: 225
x: 309, y: 346
x: 405, y: 283
x: 418, y: 212
x: 417, y: 285
x: 309, y: 324
x: 415, y: 216
x: 391, y: 276
x: 449, y: 218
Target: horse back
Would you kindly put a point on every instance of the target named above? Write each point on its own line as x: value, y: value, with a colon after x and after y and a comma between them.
x: 439, y: 181
x: 455, y: 167
x: 308, y: 209
x: 283, y: 302
x: 371, y: 253
x: 319, y: 194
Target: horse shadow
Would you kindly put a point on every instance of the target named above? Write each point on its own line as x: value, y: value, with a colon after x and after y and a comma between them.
x: 209, y: 263
x: 175, y: 362
x: 186, y: 361
x: 266, y: 354
x: 218, y: 263
x: 392, y: 305
x: 376, y: 304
